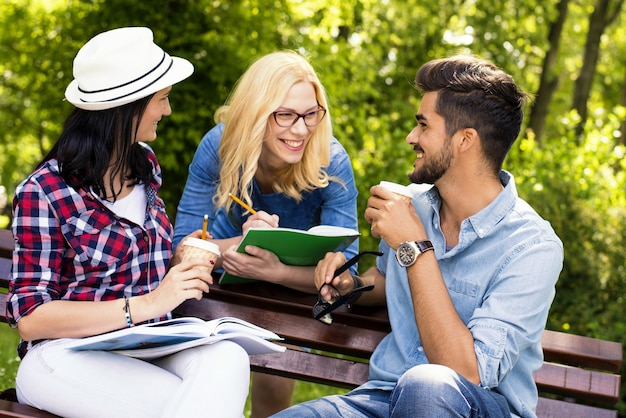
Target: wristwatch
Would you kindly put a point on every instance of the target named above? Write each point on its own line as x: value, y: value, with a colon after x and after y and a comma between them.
x: 408, y: 251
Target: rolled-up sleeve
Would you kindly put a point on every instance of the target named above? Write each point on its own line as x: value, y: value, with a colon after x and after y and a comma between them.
x: 38, y: 254
x: 514, y: 312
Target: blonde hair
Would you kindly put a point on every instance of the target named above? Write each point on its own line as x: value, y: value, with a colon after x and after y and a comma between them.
x: 259, y: 92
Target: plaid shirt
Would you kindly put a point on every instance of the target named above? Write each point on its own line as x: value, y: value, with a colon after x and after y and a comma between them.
x: 70, y: 246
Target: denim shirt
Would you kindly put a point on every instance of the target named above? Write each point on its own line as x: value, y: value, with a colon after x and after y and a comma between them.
x: 501, y: 277
x: 331, y: 205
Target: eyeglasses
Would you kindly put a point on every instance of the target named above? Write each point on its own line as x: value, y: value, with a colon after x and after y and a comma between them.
x: 286, y: 119
x: 323, y: 307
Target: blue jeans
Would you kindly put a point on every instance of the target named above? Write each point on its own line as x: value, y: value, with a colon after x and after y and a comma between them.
x: 426, y: 390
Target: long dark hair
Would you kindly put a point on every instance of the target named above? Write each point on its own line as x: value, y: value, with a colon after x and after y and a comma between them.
x: 93, y: 141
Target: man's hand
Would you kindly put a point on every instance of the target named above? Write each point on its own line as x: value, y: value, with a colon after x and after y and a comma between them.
x: 393, y: 218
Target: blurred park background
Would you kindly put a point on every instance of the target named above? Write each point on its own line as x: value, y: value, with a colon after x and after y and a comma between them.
x: 569, y: 54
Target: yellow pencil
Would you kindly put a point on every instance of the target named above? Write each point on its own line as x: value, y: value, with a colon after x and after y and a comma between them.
x: 205, y: 225
x: 242, y: 203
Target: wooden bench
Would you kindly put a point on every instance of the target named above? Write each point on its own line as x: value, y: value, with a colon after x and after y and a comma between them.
x: 579, y: 378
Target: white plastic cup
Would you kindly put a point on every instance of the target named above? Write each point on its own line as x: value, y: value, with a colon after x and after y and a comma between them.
x: 200, y: 248
x: 399, y: 189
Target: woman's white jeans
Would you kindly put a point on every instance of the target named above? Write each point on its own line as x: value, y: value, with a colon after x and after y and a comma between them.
x: 210, y: 380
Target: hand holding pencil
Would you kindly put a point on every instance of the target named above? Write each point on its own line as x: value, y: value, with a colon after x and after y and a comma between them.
x: 258, y: 219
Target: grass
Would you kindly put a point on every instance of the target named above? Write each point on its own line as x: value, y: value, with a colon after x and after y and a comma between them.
x: 305, y: 391
x: 9, y: 362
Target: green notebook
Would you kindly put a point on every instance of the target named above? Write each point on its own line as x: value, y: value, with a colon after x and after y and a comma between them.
x: 295, y: 247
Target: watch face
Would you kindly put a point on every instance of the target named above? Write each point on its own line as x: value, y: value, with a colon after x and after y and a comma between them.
x: 406, y: 254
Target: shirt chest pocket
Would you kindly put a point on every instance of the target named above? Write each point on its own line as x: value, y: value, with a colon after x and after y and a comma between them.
x: 98, y: 240
x: 465, y: 295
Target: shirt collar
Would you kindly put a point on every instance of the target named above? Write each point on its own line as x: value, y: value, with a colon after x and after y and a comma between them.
x: 486, y: 219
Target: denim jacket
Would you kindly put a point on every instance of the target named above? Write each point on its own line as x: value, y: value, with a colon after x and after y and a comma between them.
x: 332, y: 205
x: 501, y: 277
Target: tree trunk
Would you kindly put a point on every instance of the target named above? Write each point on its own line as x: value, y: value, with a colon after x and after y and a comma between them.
x: 601, y: 17
x: 623, y: 103
x: 549, y: 77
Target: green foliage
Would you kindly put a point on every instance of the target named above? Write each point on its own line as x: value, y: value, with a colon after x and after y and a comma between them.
x: 581, y: 190
x: 29, y: 115
x: 9, y: 360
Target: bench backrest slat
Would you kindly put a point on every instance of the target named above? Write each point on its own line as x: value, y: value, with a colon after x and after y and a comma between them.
x: 582, y: 351
x: 7, y: 243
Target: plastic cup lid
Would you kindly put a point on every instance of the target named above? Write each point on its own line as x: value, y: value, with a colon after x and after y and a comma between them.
x: 204, y: 244
x: 396, y: 188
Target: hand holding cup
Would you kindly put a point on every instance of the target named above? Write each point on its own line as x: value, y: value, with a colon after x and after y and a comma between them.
x: 398, y: 189
x: 196, y: 248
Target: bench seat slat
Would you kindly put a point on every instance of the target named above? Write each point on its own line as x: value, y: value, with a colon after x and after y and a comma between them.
x: 312, y: 367
x: 570, y: 381
x: 17, y: 410
x: 553, y: 408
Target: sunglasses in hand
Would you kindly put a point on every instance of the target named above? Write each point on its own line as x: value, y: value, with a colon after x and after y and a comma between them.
x: 323, y: 307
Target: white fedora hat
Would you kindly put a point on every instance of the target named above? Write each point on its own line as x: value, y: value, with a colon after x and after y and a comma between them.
x: 120, y: 66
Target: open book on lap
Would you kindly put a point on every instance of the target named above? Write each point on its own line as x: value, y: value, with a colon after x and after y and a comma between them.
x: 295, y: 247
x: 159, y: 339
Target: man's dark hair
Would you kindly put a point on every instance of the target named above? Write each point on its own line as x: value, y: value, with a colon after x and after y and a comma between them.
x: 89, y: 141
x: 474, y: 93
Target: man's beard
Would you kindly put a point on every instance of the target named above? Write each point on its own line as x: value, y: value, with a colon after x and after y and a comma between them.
x: 433, y: 170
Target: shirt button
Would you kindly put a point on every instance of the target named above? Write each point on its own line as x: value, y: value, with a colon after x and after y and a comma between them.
x: 145, y: 238
x: 420, y: 348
